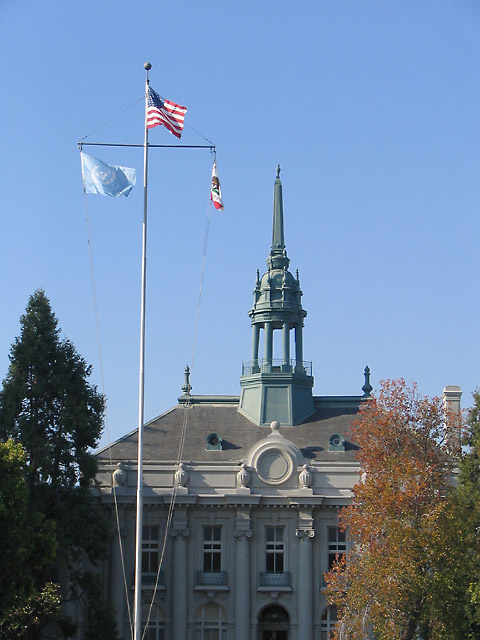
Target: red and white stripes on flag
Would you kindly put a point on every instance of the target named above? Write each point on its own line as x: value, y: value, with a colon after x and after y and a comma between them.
x: 164, y: 112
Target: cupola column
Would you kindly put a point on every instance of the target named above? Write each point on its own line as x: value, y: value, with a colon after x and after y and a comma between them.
x: 298, y: 348
x: 286, y: 344
x: 255, y: 344
x: 268, y: 345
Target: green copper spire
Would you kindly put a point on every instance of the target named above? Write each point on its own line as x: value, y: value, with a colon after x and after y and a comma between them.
x: 278, y: 255
x: 278, y: 241
x: 277, y: 388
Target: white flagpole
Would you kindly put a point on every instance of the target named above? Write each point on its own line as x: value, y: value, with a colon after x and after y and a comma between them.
x: 139, y: 520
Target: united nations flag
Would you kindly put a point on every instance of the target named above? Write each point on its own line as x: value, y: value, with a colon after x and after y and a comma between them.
x: 105, y: 179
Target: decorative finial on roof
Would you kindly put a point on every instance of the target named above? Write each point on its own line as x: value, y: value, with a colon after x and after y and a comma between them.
x: 277, y: 251
x: 258, y: 279
x: 367, y: 387
x: 187, y: 387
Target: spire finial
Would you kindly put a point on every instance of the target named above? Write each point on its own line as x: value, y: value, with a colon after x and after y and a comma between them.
x: 187, y: 387
x: 278, y: 242
x: 367, y: 387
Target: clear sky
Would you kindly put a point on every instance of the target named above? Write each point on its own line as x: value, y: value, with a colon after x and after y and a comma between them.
x: 372, y: 110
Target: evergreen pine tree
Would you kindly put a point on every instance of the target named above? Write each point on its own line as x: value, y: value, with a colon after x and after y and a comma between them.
x: 48, y: 406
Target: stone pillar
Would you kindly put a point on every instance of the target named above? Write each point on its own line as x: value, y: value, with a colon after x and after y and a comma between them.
x: 452, y: 396
x: 179, y: 614
x: 242, y: 584
x: 286, y: 343
x: 305, y: 584
x: 117, y: 586
x: 255, y: 343
x: 268, y: 345
x: 298, y: 348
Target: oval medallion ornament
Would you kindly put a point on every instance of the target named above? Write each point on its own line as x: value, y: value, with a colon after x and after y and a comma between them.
x: 274, y: 466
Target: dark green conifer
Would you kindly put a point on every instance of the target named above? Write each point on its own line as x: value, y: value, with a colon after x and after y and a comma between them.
x: 48, y: 405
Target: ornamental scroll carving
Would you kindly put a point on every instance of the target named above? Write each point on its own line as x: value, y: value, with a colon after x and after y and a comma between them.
x: 305, y: 534
x: 180, y: 533
x: 242, y: 534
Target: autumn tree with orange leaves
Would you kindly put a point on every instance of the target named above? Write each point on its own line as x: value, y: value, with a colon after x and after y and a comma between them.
x: 403, y: 577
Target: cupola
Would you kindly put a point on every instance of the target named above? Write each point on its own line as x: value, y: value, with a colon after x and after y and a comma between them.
x: 277, y: 388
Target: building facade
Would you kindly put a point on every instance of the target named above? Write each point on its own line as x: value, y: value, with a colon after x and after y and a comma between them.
x: 241, y: 493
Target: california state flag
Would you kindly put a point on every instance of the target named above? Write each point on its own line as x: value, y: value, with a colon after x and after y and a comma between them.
x: 216, y: 195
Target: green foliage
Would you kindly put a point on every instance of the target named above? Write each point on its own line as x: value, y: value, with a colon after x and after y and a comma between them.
x: 47, y: 403
x: 26, y: 620
x: 468, y: 501
x: 28, y: 539
x: 48, y: 406
x: 100, y: 621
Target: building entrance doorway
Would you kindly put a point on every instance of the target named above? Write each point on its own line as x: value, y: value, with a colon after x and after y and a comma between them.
x: 273, y: 623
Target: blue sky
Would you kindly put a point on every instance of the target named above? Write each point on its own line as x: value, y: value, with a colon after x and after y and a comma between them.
x: 372, y: 110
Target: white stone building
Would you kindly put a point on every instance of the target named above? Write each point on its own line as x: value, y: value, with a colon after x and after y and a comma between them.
x: 255, y: 492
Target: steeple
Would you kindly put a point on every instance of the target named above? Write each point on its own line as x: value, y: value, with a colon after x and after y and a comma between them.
x: 277, y: 388
x: 278, y: 255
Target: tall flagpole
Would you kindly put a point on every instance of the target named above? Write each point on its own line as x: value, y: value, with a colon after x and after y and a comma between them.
x: 139, y: 519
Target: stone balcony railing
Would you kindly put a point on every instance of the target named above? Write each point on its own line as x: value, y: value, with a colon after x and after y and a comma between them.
x: 214, y: 578
x: 274, y: 579
x: 149, y: 579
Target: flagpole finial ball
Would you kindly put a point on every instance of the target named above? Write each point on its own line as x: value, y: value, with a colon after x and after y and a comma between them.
x: 147, y: 66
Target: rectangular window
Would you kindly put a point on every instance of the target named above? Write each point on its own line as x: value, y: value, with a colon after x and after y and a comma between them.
x: 329, y: 620
x: 150, y: 549
x: 274, y: 550
x: 212, y: 549
x: 337, y: 545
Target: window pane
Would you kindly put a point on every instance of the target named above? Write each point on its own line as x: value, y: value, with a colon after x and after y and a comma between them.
x: 212, y: 549
x: 274, y: 550
x: 279, y: 563
x: 150, y: 548
x: 329, y: 618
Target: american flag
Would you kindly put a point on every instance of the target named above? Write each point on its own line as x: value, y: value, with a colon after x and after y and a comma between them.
x: 160, y: 111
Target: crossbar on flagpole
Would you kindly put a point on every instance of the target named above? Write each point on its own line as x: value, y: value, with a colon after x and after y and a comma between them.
x: 158, y: 146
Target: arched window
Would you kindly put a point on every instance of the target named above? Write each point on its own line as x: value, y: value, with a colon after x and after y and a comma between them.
x: 273, y: 623
x: 329, y: 619
x: 156, y: 623
x: 210, y: 622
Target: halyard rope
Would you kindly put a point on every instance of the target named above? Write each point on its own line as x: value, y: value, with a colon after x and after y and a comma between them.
x: 107, y: 428
x: 187, y: 406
